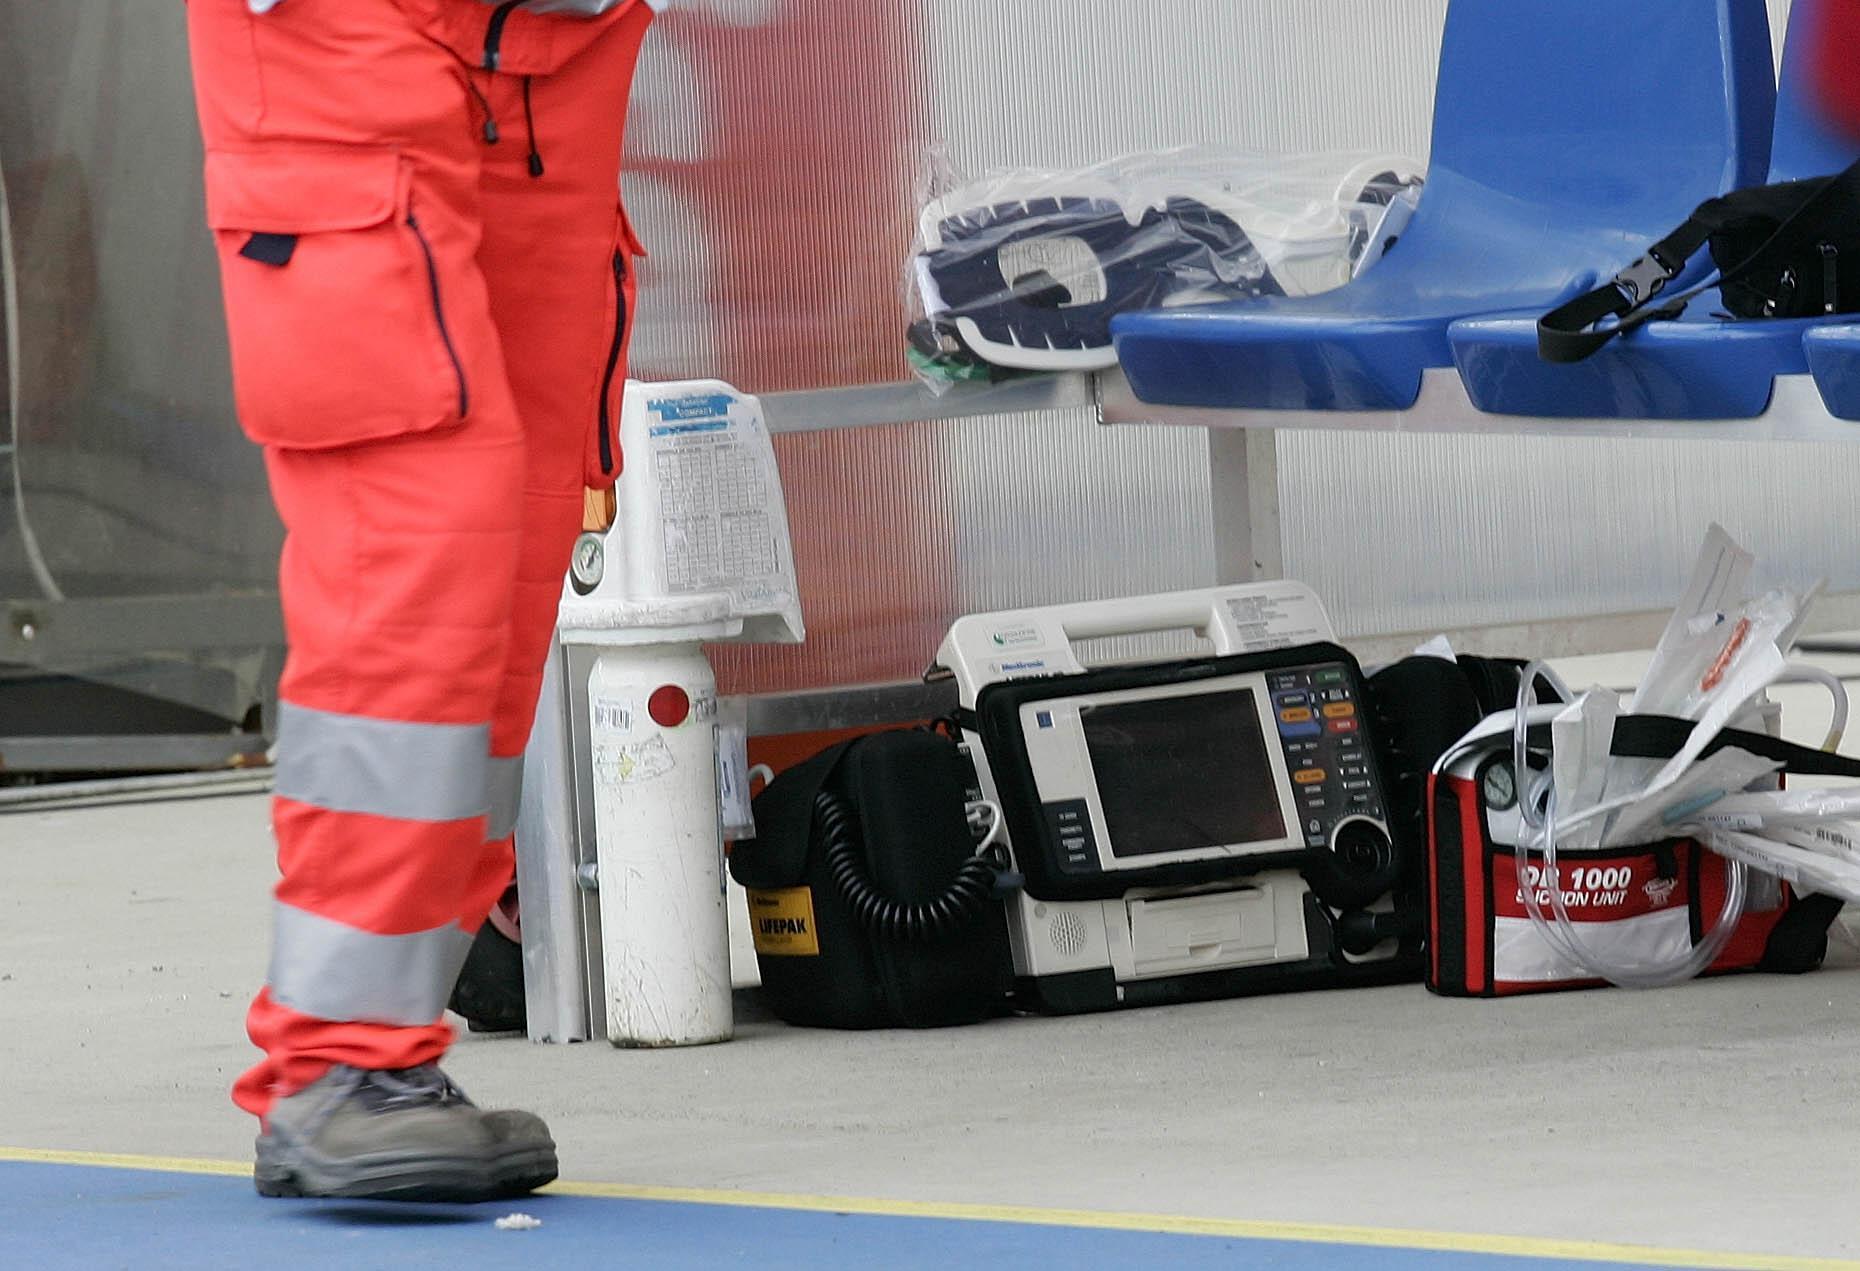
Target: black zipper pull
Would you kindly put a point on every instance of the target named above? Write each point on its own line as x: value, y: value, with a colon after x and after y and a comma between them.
x: 529, y: 126
x: 1830, y: 277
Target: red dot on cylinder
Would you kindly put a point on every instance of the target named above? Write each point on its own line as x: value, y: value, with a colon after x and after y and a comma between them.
x: 669, y: 706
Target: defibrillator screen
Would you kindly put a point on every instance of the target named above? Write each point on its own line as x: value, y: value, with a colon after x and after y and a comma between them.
x: 1177, y: 774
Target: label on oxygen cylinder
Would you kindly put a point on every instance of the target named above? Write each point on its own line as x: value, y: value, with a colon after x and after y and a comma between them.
x: 783, y: 923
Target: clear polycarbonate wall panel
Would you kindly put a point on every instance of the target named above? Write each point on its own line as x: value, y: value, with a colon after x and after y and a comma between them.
x: 870, y: 516
x: 135, y: 479
x: 1406, y: 533
x: 1033, y: 84
x: 899, y: 530
x: 772, y: 171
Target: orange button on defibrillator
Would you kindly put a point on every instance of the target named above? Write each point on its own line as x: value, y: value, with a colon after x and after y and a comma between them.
x: 1308, y: 776
x: 1339, y: 710
x: 1295, y: 715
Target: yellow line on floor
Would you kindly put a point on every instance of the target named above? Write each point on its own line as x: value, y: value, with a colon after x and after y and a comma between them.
x: 1166, y: 1224
x: 1231, y: 1228
x: 121, y: 1160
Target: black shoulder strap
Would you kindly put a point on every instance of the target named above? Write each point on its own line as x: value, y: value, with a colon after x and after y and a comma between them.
x: 1662, y: 737
x: 1568, y: 334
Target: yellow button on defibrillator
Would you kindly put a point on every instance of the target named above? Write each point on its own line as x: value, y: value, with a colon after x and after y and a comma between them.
x: 1339, y: 710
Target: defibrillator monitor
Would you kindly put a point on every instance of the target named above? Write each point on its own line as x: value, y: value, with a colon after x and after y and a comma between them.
x: 1140, y: 777
x: 1169, y: 775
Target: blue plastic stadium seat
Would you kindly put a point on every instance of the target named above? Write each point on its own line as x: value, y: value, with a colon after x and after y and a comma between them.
x: 1833, y: 354
x: 1566, y: 136
x: 1703, y: 366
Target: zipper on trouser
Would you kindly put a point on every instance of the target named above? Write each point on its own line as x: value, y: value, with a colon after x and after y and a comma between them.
x: 439, y: 313
x: 606, y: 440
x: 494, y: 33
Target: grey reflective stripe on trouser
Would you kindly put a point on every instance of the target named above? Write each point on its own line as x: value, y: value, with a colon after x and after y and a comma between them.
x: 506, y: 796
x: 381, y: 767
x: 329, y: 970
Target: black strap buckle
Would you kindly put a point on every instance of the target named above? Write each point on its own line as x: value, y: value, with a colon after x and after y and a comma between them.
x: 1644, y: 279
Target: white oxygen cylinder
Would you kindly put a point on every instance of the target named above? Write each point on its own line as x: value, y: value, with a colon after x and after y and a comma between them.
x: 652, y: 716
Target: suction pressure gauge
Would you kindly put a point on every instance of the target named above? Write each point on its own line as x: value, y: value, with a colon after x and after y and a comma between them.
x: 1500, y: 787
x: 587, y: 565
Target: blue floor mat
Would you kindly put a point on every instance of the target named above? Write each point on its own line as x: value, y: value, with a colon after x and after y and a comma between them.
x: 55, y: 1216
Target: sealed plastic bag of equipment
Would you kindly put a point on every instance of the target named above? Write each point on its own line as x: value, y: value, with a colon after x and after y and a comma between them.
x: 1023, y: 270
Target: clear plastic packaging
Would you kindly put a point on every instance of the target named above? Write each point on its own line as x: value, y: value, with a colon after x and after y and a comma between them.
x: 1559, y: 930
x: 1714, y: 665
x: 1023, y: 270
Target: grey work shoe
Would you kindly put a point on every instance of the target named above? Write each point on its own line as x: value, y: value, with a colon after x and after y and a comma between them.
x: 408, y: 1134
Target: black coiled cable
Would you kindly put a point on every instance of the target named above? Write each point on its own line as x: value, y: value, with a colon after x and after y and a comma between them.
x: 966, y: 898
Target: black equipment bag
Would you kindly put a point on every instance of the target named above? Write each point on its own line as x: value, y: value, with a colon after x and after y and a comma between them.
x: 1782, y: 251
x: 868, y: 901
x: 1423, y: 706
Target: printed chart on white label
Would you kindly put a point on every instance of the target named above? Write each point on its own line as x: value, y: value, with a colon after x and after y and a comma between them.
x: 714, y: 475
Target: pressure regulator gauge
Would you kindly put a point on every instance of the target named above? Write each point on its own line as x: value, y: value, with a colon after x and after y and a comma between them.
x: 1499, y: 787
x: 587, y: 565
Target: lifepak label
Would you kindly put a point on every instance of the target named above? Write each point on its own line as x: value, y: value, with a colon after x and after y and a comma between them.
x: 783, y: 923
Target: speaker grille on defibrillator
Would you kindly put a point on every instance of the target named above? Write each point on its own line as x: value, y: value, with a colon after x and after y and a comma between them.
x: 1068, y: 933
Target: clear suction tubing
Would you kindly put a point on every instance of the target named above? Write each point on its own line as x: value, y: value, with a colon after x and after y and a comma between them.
x: 1540, y: 833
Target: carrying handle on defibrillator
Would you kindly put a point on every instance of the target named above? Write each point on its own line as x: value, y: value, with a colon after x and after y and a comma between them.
x: 1190, y: 613
x: 1208, y: 613
x: 1234, y: 619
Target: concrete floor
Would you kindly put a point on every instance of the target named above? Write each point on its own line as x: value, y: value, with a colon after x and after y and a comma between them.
x: 1716, y: 1116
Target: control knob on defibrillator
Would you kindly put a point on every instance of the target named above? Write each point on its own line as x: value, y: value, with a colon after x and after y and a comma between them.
x: 1359, y: 868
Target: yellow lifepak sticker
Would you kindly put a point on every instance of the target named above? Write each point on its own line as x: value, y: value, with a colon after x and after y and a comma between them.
x: 783, y: 922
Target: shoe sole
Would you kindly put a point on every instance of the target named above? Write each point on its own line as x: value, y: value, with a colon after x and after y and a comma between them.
x: 402, y: 1178
x: 521, y: 1173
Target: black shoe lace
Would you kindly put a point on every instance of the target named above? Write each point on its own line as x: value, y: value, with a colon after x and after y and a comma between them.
x: 386, y: 1090
x: 377, y: 1091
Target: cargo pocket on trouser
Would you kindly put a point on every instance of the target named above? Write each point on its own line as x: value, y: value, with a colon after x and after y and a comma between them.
x: 604, y: 460
x: 335, y: 306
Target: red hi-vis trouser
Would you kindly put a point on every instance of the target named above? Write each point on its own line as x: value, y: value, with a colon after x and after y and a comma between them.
x: 428, y: 280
